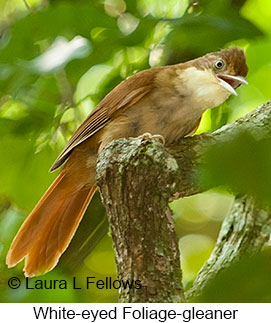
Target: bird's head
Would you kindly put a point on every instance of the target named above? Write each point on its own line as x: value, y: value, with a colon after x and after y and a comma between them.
x: 213, y: 77
x: 229, y: 68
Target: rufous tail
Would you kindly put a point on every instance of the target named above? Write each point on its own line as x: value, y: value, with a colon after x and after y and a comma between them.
x: 49, y: 228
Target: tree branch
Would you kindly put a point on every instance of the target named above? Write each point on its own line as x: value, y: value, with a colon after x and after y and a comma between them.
x: 243, y: 233
x: 133, y: 178
x: 137, y: 177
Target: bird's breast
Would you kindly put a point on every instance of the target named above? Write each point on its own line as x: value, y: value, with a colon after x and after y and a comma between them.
x: 172, y: 116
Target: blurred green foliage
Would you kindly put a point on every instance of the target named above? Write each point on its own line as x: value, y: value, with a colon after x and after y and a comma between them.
x: 57, y: 61
x: 247, y: 281
x: 243, y: 165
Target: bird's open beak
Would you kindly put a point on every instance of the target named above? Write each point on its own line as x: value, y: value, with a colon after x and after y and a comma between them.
x: 231, y: 82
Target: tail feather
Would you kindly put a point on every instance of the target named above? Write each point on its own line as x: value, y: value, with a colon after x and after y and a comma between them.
x: 48, y: 230
x: 28, y: 232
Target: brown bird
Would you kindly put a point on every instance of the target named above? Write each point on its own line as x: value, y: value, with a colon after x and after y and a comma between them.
x: 168, y: 101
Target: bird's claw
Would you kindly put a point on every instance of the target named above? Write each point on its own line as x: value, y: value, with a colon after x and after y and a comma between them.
x: 205, y: 135
x: 148, y: 135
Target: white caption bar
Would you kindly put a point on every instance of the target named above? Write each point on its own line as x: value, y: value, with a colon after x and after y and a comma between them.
x: 108, y: 312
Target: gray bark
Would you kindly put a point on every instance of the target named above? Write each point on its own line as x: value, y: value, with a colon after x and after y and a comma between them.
x: 133, y: 178
x: 138, y: 177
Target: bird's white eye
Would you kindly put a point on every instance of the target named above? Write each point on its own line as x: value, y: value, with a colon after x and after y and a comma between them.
x: 219, y: 64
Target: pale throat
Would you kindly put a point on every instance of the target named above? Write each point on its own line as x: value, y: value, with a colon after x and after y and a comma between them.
x: 203, y: 87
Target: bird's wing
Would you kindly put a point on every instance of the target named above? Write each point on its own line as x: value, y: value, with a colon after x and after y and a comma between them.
x: 123, y: 96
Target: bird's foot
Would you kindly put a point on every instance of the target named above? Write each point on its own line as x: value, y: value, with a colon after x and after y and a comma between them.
x: 148, y: 135
x: 205, y: 135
